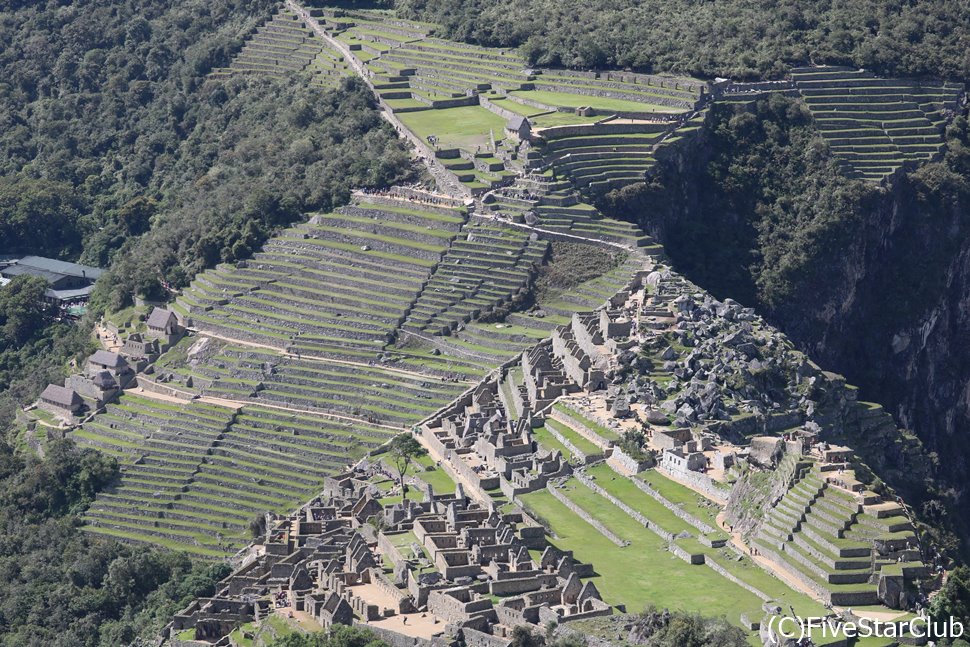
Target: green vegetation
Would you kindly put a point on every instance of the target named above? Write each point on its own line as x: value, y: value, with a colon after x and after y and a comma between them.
x: 644, y: 572
x: 571, y: 264
x: 144, y: 166
x: 338, y: 636
x: 68, y: 589
x: 567, y: 100
x: 715, y: 39
x: 466, y: 127
x: 34, y: 345
x: 404, y: 450
x: 433, y: 475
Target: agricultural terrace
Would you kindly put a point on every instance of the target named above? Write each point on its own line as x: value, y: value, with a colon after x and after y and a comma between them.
x: 196, y: 474
x: 468, y: 127
x: 603, y: 104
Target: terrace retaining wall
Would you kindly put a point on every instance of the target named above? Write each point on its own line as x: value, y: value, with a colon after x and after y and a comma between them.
x: 606, y: 128
x: 585, y: 516
x: 677, y: 510
x: 636, y: 515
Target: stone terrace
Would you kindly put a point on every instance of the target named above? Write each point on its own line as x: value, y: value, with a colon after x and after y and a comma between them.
x: 281, y: 46
x: 487, y: 266
x: 195, y: 474
x: 842, y: 543
x: 370, y: 393
x: 873, y: 125
x: 336, y: 287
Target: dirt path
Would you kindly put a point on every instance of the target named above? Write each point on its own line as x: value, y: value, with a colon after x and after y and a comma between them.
x: 768, y: 564
x: 447, y: 182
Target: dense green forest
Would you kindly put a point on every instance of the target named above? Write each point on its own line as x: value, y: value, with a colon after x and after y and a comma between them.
x: 737, y: 38
x: 63, y: 588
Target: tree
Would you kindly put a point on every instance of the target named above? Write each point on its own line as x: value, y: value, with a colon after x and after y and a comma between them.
x: 523, y: 636
x: 403, y: 450
x: 338, y: 636
x: 23, y: 312
x: 953, y: 600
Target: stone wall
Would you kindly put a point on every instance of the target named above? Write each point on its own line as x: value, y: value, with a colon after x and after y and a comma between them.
x: 572, y: 448
x: 717, y: 568
x: 700, y: 482
x: 581, y: 427
x: 500, y: 111
x: 617, y: 92
x: 693, y: 559
x: 475, y: 638
x: 556, y: 132
x: 677, y: 510
x: 621, y: 462
x: 387, y: 548
x: 635, y: 514
x: 522, y: 584
x: 582, y: 514
x: 395, y: 639
x: 152, y: 386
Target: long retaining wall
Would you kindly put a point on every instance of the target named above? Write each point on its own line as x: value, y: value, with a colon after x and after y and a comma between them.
x: 585, y: 516
x: 677, y: 510
x: 720, y: 570
x: 572, y: 448
x: 698, y: 481
x: 582, y: 428
x: 607, y: 128
x: 637, y: 516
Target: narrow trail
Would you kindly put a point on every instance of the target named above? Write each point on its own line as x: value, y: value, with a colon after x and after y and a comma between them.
x: 447, y: 182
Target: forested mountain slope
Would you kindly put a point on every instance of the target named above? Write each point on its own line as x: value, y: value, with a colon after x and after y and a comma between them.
x: 115, y: 150
x: 738, y: 38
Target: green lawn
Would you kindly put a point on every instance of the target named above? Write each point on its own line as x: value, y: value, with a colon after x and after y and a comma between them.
x: 464, y: 127
x: 562, y: 119
x: 548, y: 441
x: 691, y: 502
x: 624, y: 490
x: 644, y: 572
x: 579, y: 441
x: 566, y: 100
x: 601, y: 430
x: 518, y: 108
x: 437, y: 478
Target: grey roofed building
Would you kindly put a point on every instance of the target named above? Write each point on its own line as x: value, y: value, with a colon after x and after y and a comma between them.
x: 160, y: 318
x: 108, y: 359
x: 67, y: 281
x: 61, y: 396
x: 519, y: 125
x: 47, y: 275
x: 104, y: 380
x: 60, y: 267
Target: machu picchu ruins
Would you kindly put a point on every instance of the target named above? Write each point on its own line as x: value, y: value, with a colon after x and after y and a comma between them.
x: 594, y: 433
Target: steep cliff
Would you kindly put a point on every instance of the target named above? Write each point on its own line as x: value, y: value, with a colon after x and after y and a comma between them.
x: 873, y: 282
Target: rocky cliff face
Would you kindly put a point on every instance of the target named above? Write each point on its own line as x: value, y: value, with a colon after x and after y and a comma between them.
x: 887, y: 303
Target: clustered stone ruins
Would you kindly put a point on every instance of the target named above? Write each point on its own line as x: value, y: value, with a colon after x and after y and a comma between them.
x: 466, y: 567
x: 417, y: 310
